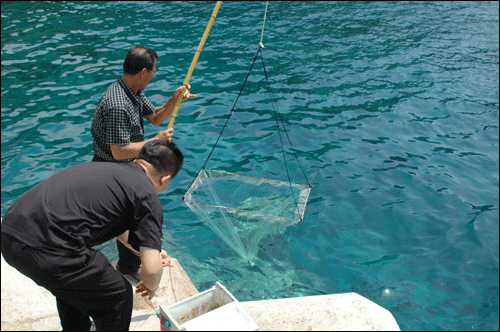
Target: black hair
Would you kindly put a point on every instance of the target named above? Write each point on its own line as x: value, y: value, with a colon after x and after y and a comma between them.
x: 164, y: 155
x: 139, y: 57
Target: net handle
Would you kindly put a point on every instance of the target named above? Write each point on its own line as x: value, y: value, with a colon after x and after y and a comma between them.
x: 193, y: 64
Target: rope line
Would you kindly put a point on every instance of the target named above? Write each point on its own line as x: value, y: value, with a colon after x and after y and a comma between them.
x: 263, y: 24
x: 277, y: 115
x: 276, y: 111
x: 232, y: 109
x: 172, y: 283
x: 281, y: 119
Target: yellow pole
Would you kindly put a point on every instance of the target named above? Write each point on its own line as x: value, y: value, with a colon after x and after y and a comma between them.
x: 193, y: 64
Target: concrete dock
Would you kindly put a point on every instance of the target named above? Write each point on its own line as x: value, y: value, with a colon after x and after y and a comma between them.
x: 28, y: 307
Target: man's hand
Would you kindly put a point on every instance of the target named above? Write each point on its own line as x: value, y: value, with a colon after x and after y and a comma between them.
x: 186, y: 95
x: 165, y: 259
x: 144, y: 291
x: 165, y: 134
x: 163, y: 112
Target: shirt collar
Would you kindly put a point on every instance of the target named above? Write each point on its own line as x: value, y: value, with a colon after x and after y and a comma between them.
x: 128, y: 91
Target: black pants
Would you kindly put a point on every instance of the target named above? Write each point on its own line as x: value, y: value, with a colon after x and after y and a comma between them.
x: 128, y: 261
x: 84, y: 286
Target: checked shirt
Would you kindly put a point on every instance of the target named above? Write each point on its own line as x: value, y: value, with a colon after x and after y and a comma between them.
x: 118, y: 119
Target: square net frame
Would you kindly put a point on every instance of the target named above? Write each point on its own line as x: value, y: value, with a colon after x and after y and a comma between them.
x: 242, y: 209
x: 246, y: 197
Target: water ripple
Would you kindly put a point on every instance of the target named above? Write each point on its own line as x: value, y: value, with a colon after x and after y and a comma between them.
x: 392, y: 109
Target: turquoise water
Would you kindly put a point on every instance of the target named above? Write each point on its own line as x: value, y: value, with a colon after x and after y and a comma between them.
x: 392, y: 108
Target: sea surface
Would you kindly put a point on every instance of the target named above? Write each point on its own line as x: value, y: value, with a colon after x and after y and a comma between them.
x: 391, y: 107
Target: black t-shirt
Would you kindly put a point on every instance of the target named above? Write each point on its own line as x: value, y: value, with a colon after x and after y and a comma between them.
x: 86, y: 205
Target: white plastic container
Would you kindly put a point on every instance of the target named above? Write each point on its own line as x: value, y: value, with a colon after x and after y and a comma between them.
x: 212, y: 310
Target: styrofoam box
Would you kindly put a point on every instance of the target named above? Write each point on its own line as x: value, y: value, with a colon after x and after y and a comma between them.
x: 215, y: 309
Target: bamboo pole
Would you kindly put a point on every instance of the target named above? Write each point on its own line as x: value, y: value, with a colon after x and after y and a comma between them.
x: 193, y: 63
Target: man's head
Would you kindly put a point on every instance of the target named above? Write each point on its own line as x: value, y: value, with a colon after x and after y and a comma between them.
x: 141, y: 62
x: 139, y: 57
x: 163, y: 162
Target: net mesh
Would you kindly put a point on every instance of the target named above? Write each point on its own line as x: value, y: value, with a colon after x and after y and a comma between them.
x: 242, y: 209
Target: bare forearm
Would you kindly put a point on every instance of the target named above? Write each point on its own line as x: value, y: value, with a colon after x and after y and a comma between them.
x: 152, y: 268
x: 151, y: 280
x: 128, y: 151
x: 163, y: 112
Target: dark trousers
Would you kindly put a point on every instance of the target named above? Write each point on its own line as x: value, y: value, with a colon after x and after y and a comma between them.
x: 128, y: 261
x: 84, y: 286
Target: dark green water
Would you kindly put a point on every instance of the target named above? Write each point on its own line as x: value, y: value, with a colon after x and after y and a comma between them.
x: 392, y: 108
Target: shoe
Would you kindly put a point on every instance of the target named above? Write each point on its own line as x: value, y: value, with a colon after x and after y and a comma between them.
x: 136, y: 276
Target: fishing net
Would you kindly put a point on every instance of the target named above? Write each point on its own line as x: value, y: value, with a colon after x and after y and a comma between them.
x: 243, y: 209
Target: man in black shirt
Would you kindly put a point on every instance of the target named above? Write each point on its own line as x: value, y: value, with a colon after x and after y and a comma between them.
x: 118, y: 125
x: 49, y: 232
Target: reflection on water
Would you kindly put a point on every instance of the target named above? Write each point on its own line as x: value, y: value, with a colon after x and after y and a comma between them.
x: 392, y: 109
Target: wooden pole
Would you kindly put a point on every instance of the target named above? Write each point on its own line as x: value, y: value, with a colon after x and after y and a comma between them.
x: 193, y: 64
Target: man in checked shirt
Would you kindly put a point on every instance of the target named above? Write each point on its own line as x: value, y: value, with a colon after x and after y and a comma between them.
x: 118, y: 125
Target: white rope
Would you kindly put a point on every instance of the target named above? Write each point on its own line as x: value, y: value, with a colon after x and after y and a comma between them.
x: 263, y: 23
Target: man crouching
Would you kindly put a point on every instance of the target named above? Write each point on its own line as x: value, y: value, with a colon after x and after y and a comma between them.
x: 49, y: 232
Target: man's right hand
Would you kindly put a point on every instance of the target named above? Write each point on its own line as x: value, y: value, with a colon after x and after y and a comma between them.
x: 165, y: 135
x: 165, y: 259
